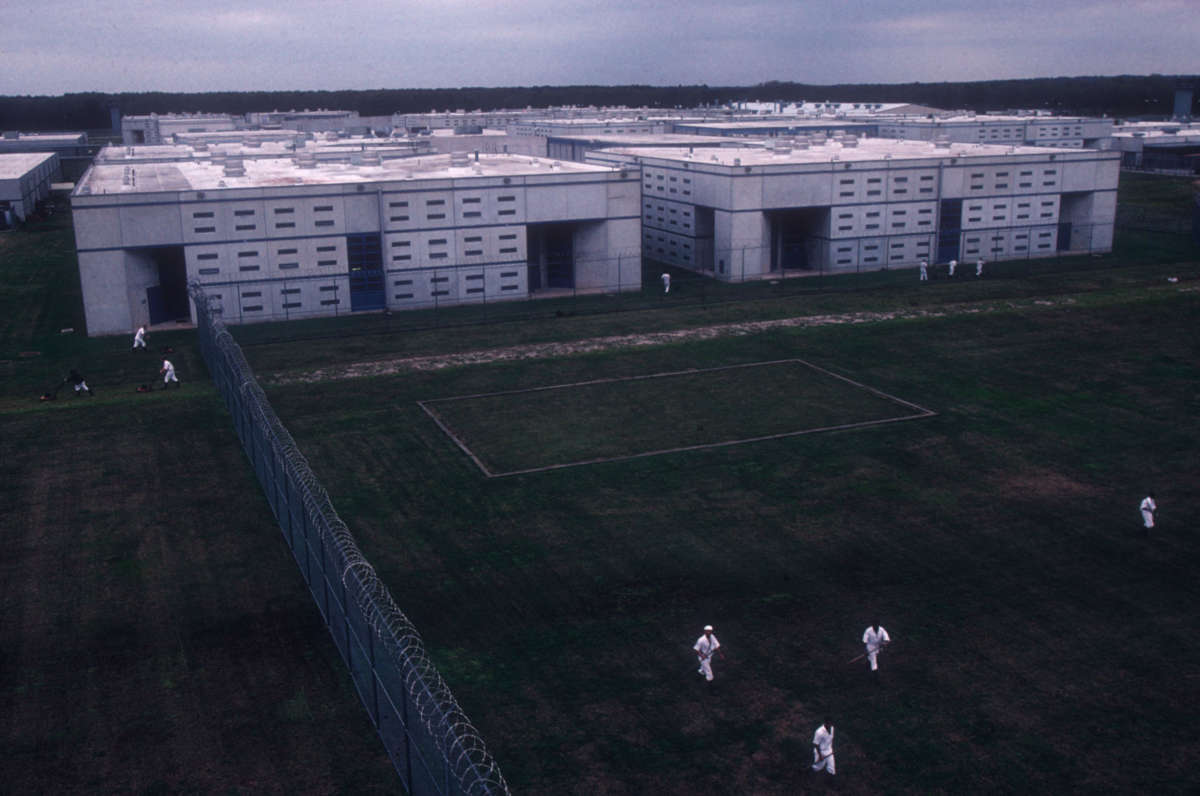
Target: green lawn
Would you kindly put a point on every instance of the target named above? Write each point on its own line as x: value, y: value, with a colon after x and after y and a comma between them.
x: 999, y: 542
x: 608, y: 419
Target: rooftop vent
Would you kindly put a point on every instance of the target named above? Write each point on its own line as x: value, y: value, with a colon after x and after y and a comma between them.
x: 200, y: 146
x: 252, y: 143
x: 849, y: 142
x: 460, y: 158
x: 306, y: 160
x: 235, y: 168
x: 371, y: 159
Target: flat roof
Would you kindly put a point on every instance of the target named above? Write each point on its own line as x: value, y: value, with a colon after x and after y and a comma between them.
x: 276, y: 172
x: 278, y: 146
x: 46, y: 138
x: 646, y: 139
x: 14, y: 165
x: 866, y: 149
x: 777, y: 122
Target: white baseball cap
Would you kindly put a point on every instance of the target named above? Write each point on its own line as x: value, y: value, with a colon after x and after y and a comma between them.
x: 708, y: 628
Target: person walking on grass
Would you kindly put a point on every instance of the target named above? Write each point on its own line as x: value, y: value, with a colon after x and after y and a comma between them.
x: 666, y: 280
x: 1148, y: 507
x: 953, y: 265
x: 168, y: 373
x: 139, y: 338
x: 924, y: 271
x: 875, y: 637
x: 823, y: 748
x: 706, y: 646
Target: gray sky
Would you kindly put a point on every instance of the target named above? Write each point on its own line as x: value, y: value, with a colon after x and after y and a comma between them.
x: 52, y: 47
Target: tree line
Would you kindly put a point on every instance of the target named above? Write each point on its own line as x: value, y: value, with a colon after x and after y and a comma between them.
x: 1126, y: 96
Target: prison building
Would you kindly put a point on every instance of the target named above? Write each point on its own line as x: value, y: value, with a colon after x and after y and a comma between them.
x: 25, y: 180
x: 576, y: 147
x: 278, y: 238
x: 757, y: 128
x: 1070, y: 132
x: 74, y: 152
x: 1168, y: 148
x: 159, y: 128
x: 867, y: 204
x: 556, y: 127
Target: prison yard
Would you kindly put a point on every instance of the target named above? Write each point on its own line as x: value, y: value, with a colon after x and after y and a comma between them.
x: 560, y: 494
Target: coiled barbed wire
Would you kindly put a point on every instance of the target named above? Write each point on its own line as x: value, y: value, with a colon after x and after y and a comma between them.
x: 454, y: 736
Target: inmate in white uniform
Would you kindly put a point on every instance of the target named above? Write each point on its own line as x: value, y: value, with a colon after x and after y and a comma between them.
x: 924, y: 271
x: 953, y: 265
x: 823, y: 749
x: 875, y: 637
x: 979, y: 268
x: 705, y: 647
x: 168, y: 371
x: 666, y: 280
x: 139, y: 338
x: 1148, y: 508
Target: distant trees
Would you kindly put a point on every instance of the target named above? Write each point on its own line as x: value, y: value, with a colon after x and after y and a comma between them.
x: 1125, y: 95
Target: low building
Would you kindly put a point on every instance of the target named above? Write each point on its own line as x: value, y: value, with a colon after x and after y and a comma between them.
x: 25, y: 179
x: 157, y: 128
x: 775, y: 128
x: 74, y: 153
x: 278, y: 238
x: 576, y: 147
x: 1165, y: 147
x: 1019, y: 129
x: 867, y: 204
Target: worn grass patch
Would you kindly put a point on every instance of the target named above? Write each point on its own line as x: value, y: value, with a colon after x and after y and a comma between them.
x: 606, y: 420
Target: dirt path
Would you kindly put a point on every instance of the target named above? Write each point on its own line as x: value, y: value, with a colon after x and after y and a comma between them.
x: 386, y: 367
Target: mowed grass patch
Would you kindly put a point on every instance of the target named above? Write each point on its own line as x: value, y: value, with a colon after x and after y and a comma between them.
x: 999, y: 542
x: 566, y: 425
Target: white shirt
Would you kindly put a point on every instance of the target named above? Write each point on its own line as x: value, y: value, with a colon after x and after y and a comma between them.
x: 706, y: 645
x: 875, y: 640
x: 1148, y: 504
x: 823, y: 740
x: 141, y: 333
x: 167, y: 366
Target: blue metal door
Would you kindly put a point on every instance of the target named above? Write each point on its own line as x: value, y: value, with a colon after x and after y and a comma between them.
x: 949, y: 230
x: 364, y: 253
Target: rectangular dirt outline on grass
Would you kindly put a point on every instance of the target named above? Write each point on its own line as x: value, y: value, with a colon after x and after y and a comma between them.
x: 920, y: 413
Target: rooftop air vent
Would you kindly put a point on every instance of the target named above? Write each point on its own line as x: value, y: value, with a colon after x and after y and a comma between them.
x: 235, y: 168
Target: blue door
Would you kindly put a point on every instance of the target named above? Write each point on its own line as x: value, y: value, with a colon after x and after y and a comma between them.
x: 949, y: 230
x: 365, y: 256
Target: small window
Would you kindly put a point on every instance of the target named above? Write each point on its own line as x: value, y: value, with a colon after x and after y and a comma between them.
x: 247, y: 268
x: 438, y: 255
x: 511, y: 250
x: 327, y: 223
x: 286, y: 251
x: 398, y: 218
x: 471, y: 200
x: 290, y: 291
x: 328, y: 302
x: 207, y: 256
x: 209, y: 271
x: 439, y: 279
x: 243, y: 212
x: 245, y: 227
x: 252, y: 308
x: 326, y: 262
x: 283, y: 211
x: 288, y: 266
x: 323, y: 209
x: 506, y: 199
x: 397, y: 204
x: 399, y: 258
x: 285, y: 225
x: 328, y: 288
x: 435, y: 216
x: 327, y: 248
x: 248, y: 254
x: 202, y: 230
x: 202, y: 215
x: 508, y: 237
x: 291, y: 305
x: 434, y: 202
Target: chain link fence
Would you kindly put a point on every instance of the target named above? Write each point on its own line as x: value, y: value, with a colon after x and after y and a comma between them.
x: 431, y: 742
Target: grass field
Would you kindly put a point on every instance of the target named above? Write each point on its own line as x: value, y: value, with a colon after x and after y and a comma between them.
x: 999, y: 542
x: 157, y: 637
x: 605, y: 420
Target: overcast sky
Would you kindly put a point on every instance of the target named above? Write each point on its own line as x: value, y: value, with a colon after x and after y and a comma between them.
x: 52, y: 47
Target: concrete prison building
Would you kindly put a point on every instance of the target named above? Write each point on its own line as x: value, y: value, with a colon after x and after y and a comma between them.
x: 866, y: 204
x: 25, y: 180
x: 280, y: 238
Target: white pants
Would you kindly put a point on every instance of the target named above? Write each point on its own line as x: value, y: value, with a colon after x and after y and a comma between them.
x: 706, y: 668
x: 924, y: 275
x: 82, y: 387
x: 169, y: 376
x: 139, y: 342
x: 872, y: 655
x: 1148, y: 518
x: 823, y: 763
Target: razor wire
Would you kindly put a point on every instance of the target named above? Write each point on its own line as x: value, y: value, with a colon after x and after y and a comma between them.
x: 437, y: 749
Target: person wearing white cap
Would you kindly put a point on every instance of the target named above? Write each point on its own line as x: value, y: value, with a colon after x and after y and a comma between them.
x: 706, y: 646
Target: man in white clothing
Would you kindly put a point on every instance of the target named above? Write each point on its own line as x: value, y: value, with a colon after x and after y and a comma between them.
x: 875, y: 637
x: 979, y: 268
x: 953, y: 265
x: 666, y: 280
x: 139, y: 338
x: 924, y: 271
x: 706, y: 646
x: 823, y: 748
x: 168, y: 373
x: 1148, y: 508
